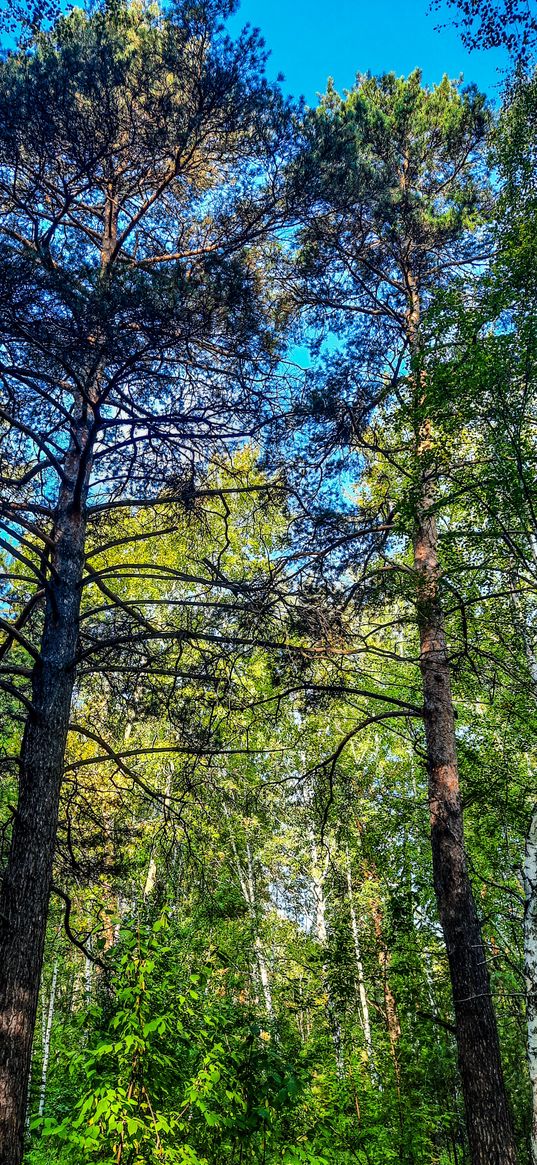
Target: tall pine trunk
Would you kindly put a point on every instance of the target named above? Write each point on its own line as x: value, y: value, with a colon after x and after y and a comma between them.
x: 27, y: 880
x: 490, y: 1131
x: 488, y: 1119
x: 26, y: 885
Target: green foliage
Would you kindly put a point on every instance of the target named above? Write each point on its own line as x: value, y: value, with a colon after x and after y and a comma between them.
x: 166, y: 1033
x: 244, y: 831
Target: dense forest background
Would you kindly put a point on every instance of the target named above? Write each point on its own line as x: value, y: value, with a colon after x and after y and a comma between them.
x: 268, y: 609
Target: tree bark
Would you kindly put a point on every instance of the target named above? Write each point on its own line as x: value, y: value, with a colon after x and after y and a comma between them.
x: 247, y: 885
x: 26, y: 885
x: 258, y: 945
x: 490, y: 1131
x: 318, y: 878
x: 362, y: 995
x: 530, y: 969
x: 488, y: 1119
x: 47, y: 1033
x: 393, y: 1026
x: 530, y: 900
x: 27, y: 880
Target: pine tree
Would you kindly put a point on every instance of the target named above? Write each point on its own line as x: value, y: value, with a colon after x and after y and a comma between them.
x: 137, y: 148
x: 398, y: 199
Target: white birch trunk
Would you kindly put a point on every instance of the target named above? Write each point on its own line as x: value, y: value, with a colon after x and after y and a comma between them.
x: 247, y: 885
x: 318, y: 875
x: 46, y: 1039
x: 530, y: 967
x: 88, y: 980
x: 530, y: 920
x: 318, y: 878
x: 151, y: 877
x: 28, y: 1117
x: 260, y: 954
x: 264, y: 976
x: 364, y: 1006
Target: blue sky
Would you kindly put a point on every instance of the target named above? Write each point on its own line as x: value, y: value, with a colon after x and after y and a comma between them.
x: 311, y: 40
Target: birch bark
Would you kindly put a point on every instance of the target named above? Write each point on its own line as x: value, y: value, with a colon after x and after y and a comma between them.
x: 530, y: 968
x: 47, y: 1037
x: 247, y: 885
x: 362, y: 995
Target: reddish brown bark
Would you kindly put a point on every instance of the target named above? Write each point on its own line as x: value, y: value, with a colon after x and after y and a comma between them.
x: 489, y: 1125
x: 488, y: 1119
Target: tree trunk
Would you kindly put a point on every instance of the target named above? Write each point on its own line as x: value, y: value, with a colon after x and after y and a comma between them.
x: 318, y: 878
x: 247, y: 885
x: 27, y: 880
x: 530, y: 896
x: 260, y: 954
x: 362, y: 995
x: 47, y: 1033
x: 530, y: 968
x: 390, y: 1009
x: 490, y: 1131
x: 488, y: 1120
